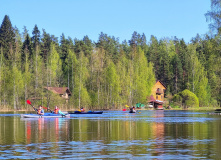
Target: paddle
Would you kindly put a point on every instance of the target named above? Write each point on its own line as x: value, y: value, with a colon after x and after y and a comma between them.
x: 48, y: 109
x: 29, y: 102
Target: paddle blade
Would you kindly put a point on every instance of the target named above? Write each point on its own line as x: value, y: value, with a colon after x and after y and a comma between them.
x: 29, y: 102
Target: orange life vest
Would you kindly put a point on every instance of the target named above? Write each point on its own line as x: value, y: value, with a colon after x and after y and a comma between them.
x: 56, y: 111
x: 39, y: 111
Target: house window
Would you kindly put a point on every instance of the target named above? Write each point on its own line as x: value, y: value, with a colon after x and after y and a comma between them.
x: 156, y: 97
x: 158, y: 89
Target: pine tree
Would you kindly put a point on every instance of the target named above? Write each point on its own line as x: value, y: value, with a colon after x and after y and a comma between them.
x: 7, y: 36
x: 153, y: 55
x: 46, y: 45
x: 36, y: 37
x: 27, y: 50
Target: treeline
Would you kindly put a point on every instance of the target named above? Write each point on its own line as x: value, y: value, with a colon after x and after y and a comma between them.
x: 106, y: 73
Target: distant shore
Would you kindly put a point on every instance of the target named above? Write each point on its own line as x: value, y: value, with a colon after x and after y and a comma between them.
x: 190, y: 109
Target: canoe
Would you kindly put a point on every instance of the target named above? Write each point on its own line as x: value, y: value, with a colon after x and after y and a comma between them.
x: 132, y: 111
x: 89, y: 112
x: 46, y: 115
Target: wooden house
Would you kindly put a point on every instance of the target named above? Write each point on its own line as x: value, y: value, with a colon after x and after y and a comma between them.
x: 64, y: 92
x: 157, y: 96
x: 158, y: 90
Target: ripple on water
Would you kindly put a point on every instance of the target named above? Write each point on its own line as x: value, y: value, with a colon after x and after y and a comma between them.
x: 166, y: 148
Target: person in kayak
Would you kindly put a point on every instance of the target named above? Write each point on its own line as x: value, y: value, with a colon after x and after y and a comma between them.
x: 132, y: 110
x: 40, y: 111
x: 58, y: 111
x: 82, y: 109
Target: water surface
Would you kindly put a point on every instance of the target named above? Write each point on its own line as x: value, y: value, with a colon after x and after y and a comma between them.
x: 112, y: 135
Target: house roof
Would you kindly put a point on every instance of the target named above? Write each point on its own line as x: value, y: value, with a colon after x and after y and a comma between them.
x: 161, y: 83
x: 59, y: 90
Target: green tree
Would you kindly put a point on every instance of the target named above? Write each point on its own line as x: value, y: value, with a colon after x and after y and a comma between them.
x: 153, y: 55
x: 124, y: 77
x: 27, y: 76
x: 81, y: 78
x: 71, y: 70
x: 54, y: 67
x: 7, y: 37
x: 112, y: 82
x: 45, y: 45
x: 36, y: 37
x: 214, y: 15
x: 144, y: 78
x: 187, y: 98
x: 27, y: 50
x: 199, y: 79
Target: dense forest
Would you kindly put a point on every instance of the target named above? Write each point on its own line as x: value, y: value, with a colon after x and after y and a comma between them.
x: 107, y: 73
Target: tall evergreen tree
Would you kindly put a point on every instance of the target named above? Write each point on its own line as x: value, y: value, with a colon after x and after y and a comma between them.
x: 7, y: 36
x: 27, y: 50
x: 36, y: 37
x: 153, y: 54
x: 46, y: 45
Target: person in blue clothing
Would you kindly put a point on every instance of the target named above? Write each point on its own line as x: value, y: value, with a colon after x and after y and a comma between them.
x: 40, y: 111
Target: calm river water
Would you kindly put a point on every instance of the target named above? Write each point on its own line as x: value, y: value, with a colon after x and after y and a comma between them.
x: 112, y: 135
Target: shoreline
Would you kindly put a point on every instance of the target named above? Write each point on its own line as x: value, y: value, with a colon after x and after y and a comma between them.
x: 189, y: 109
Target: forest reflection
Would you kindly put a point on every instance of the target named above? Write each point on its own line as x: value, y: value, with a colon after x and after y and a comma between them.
x: 155, y: 135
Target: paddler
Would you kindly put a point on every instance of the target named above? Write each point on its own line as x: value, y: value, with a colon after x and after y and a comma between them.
x: 133, y: 109
x: 82, y: 109
x: 40, y: 111
x: 58, y: 111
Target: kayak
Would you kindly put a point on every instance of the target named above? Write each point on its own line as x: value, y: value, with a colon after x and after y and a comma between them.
x: 218, y: 111
x: 89, y: 112
x: 132, y: 111
x: 46, y: 115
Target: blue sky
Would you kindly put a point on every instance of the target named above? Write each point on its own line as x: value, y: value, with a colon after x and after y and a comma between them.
x: 118, y: 18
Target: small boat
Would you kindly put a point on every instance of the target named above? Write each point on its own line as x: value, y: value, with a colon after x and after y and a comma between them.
x: 89, y: 112
x: 46, y: 115
x: 218, y: 111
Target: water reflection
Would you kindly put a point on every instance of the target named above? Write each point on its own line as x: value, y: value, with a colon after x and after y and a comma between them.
x: 158, y: 133
x: 148, y: 134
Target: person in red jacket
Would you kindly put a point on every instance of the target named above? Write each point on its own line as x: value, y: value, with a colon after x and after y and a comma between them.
x: 58, y: 111
x: 82, y: 109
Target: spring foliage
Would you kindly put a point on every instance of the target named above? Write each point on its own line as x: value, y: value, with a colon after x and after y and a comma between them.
x: 107, y: 73
x: 186, y: 98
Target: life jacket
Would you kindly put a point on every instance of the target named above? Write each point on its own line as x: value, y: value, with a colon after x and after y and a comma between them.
x: 56, y: 111
x: 82, y: 110
x: 39, y: 111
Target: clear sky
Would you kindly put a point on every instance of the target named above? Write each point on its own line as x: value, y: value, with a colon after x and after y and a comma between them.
x: 118, y: 18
